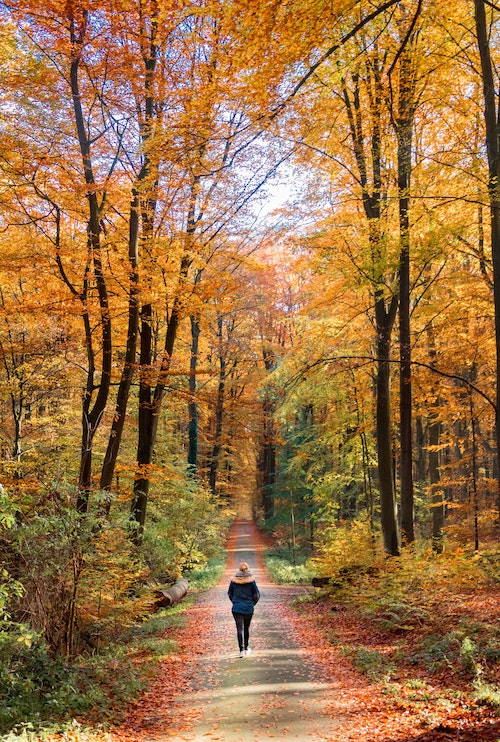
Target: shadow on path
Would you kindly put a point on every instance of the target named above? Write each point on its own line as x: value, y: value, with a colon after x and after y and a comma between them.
x: 289, y: 688
x: 270, y: 693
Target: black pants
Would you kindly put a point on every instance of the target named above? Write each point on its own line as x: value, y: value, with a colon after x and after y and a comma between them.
x: 243, y: 628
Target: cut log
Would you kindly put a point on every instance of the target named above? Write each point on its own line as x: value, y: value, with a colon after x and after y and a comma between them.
x: 166, y: 597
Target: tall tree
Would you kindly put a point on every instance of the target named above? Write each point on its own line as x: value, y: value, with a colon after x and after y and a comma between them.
x: 492, y: 125
x: 385, y: 301
x: 403, y: 121
x: 93, y: 406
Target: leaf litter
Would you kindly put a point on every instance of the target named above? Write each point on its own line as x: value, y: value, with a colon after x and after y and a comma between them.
x: 361, y: 709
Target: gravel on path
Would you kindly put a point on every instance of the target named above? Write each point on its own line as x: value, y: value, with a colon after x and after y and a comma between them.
x: 295, y: 685
x: 272, y: 693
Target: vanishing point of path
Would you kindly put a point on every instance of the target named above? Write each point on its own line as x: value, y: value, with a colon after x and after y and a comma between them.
x: 274, y: 693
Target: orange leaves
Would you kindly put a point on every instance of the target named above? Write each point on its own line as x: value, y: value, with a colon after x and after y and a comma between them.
x: 198, y: 691
x: 161, y: 709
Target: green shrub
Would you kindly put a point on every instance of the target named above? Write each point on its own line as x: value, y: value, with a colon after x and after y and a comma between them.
x: 33, y: 684
x: 9, y: 587
x: 41, y: 691
x: 349, y: 547
x: 187, y: 527
x: 436, y: 651
x: 370, y: 662
x: 486, y: 693
x: 470, y: 649
x: 397, y: 613
x: 282, y: 572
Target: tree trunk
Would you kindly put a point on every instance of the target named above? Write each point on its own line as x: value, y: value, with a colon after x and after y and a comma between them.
x: 219, y: 410
x: 122, y: 396
x: 493, y: 152
x: 421, y: 454
x: 268, y: 459
x: 404, y: 129
x: 91, y: 413
x: 473, y: 471
x: 146, y: 412
x: 17, y: 407
x: 150, y: 403
x: 388, y: 512
x: 435, y: 479
x: 434, y: 435
x: 384, y: 315
x: 193, y: 416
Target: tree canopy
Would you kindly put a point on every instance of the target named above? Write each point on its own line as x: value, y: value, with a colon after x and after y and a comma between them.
x: 172, y: 349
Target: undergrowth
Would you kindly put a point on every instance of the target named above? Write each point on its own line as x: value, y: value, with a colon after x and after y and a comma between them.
x: 424, y: 618
x: 44, y: 697
x: 283, y: 572
x: 436, y: 613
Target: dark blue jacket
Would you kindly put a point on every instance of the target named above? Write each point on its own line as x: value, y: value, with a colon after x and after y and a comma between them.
x: 243, y: 593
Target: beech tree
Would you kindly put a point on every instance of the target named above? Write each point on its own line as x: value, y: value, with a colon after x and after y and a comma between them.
x: 403, y: 121
x: 383, y: 94
x: 159, y: 127
x: 91, y: 290
x: 492, y: 126
x: 368, y: 127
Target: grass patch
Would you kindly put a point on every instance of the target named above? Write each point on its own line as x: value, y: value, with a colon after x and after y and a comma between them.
x: 204, y: 577
x: 283, y: 572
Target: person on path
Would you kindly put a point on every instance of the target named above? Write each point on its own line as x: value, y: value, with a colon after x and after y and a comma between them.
x: 243, y: 594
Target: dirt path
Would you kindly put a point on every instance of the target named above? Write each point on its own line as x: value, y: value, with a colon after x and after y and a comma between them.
x: 274, y: 693
x: 295, y: 685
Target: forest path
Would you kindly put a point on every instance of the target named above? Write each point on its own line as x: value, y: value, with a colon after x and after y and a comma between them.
x: 297, y: 684
x: 273, y: 693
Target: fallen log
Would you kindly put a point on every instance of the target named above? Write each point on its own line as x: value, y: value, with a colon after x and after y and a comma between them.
x: 321, y: 581
x: 169, y: 596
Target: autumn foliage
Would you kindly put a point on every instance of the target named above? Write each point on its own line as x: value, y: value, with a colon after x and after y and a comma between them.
x: 249, y: 264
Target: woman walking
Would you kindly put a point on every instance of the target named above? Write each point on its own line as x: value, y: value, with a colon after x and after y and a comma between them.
x: 243, y: 594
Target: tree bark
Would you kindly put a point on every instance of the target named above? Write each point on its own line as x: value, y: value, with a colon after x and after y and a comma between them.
x: 92, y: 410
x: 493, y: 152
x: 150, y: 403
x: 123, y: 392
x: 435, y: 479
x: 404, y: 132
x: 193, y: 416
x: 388, y: 511
x: 385, y: 308
x: 219, y: 409
x: 268, y: 458
x: 193, y: 413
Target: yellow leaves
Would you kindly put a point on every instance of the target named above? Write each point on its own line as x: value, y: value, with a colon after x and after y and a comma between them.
x: 7, y: 45
x: 105, y: 594
x: 26, y: 638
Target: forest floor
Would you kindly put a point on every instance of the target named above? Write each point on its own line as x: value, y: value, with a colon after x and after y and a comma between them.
x: 299, y: 682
